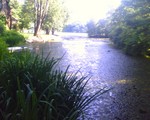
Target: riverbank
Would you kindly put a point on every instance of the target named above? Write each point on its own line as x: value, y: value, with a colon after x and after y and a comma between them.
x: 43, y: 38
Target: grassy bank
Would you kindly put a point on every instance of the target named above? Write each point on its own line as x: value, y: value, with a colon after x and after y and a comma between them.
x: 41, y: 38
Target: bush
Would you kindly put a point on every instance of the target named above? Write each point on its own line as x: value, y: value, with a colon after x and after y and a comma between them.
x: 2, y: 28
x: 13, y: 38
x: 31, y: 88
x: 132, y: 42
x: 3, y: 50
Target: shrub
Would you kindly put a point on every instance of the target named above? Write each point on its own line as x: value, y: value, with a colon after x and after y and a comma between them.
x: 13, y: 38
x: 132, y: 42
x: 31, y: 88
x: 16, y: 27
x: 2, y: 28
x: 3, y: 50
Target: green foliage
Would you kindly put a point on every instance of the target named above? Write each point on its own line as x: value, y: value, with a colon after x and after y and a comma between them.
x: 130, y: 27
x: 98, y: 29
x: 75, y: 27
x: 2, y: 18
x: 10, y: 37
x: 56, y: 17
x: 91, y: 28
x: 31, y: 88
x: 46, y: 14
x: 13, y: 38
x: 3, y: 50
x: 2, y: 28
x: 16, y: 8
x: 27, y: 14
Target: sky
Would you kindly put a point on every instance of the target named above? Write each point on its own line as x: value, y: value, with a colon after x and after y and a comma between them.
x: 21, y: 1
x: 85, y: 10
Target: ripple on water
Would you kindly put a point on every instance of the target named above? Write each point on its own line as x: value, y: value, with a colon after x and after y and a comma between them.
x: 109, y: 67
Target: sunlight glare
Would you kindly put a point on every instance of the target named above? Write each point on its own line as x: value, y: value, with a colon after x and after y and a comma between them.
x: 84, y: 10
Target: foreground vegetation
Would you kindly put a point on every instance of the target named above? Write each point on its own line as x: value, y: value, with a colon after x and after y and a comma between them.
x: 32, y: 88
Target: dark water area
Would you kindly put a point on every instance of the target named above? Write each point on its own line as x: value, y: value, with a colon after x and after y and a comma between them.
x: 129, y: 77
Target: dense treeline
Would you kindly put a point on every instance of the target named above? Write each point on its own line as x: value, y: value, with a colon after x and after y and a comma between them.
x: 130, y: 27
x: 98, y: 29
x: 75, y: 27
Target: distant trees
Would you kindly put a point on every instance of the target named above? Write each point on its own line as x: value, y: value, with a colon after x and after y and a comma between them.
x: 91, y: 28
x: 75, y: 27
x: 130, y: 26
x: 98, y: 29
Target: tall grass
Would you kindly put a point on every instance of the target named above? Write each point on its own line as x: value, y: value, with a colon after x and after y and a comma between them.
x: 31, y: 88
x: 3, y: 49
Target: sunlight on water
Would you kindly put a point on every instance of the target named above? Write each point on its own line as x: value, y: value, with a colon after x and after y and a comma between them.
x: 77, y: 48
x: 126, y: 76
x: 123, y: 82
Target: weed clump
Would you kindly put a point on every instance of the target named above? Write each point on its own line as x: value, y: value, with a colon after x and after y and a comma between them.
x: 31, y: 88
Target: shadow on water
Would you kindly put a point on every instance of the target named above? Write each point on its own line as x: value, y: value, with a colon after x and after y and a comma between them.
x: 109, y: 67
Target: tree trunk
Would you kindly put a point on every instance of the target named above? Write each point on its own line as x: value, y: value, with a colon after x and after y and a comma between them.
x: 37, y: 27
x: 10, y: 17
x: 53, y: 31
x: 36, y: 30
x: 47, y: 31
x: 7, y: 10
x: 41, y: 8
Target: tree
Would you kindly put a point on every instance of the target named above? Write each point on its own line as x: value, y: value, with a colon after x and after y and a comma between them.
x: 130, y: 26
x: 16, y: 8
x: 56, y: 18
x: 41, y: 9
x: 98, y: 29
x: 11, y: 10
x: 47, y: 13
x: 15, y: 12
x: 27, y: 15
x: 91, y: 28
x: 6, y: 10
x: 102, y: 30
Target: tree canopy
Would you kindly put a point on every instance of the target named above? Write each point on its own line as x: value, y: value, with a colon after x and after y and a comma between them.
x: 42, y: 13
x: 130, y: 26
x: 56, y: 17
x: 97, y: 29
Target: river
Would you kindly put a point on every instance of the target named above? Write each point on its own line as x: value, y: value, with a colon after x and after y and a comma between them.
x: 129, y: 77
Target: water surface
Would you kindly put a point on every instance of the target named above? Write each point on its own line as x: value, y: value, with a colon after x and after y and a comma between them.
x: 109, y: 67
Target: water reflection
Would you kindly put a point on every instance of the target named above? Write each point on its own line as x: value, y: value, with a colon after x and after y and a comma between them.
x: 109, y: 67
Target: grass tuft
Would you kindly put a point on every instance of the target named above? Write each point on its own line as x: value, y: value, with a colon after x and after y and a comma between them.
x: 31, y: 88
